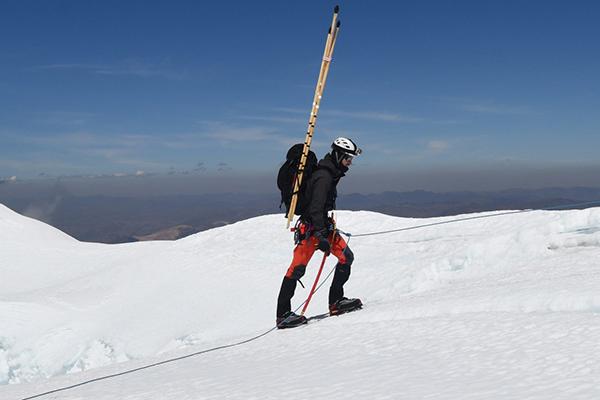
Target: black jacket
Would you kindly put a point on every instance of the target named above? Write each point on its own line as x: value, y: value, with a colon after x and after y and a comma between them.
x: 322, y: 192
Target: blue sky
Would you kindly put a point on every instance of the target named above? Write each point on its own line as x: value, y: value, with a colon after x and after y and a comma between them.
x: 224, y: 88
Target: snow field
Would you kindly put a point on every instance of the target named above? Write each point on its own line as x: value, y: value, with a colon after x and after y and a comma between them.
x: 503, y: 307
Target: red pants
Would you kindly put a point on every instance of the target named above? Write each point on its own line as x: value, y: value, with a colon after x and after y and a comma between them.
x: 305, y: 250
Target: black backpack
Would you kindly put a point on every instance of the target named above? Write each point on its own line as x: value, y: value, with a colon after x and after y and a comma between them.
x: 287, y: 176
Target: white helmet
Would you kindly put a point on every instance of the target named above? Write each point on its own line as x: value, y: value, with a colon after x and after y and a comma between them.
x: 344, y: 147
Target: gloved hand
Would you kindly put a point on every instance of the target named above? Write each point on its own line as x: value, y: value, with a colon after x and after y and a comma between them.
x: 330, y: 224
x: 323, y: 244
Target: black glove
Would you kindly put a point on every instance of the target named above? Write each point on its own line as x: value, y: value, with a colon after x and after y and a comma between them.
x: 323, y: 244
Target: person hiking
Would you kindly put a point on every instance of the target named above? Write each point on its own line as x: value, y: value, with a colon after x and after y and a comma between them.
x: 317, y: 231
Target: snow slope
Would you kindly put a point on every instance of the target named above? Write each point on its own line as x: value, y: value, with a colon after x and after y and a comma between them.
x: 502, y: 307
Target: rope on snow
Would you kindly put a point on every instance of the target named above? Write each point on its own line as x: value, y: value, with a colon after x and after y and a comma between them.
x: 350, y: 236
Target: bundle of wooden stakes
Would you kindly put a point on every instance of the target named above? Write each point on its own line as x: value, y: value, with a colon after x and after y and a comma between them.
x: 325, y: 63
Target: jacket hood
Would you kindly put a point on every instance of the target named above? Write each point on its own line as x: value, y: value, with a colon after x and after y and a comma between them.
x: 329, y: 163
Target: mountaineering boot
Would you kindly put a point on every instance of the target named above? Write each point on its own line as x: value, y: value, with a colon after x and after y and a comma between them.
x: 344, y: 305
x: 290, y: 320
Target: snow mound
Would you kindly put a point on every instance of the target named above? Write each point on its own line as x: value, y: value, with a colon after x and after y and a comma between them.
x: 482, y: 285
x: 18, y: 229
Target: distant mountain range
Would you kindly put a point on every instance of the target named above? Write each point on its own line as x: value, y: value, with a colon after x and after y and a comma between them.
x: 125, y: 219
x: 429, y: 204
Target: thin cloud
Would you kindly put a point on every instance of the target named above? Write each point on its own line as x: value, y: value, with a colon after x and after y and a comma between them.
x: 226, y: 133
x: 241, y: 135
x: 484, y: 106
x: 67, y: 66
x: 117, y: 149
x: 49, y: 165
x: 373, y: 115
x: 368, y: 115
x: 495, y: 109
x: 63, y: 118
x: 200, y: 167
x: 292, y: 110
x: 223, y: 167
x: 408, y: 152
x: 448, y: 122
x: 437, y: 146
x: 126, y: 158
x: 275, y: 119
x: 84, y: 139
x: 43, y: 211
x: 128, y: 68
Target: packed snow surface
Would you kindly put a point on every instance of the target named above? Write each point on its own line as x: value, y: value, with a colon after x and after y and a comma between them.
x: 504, y: 307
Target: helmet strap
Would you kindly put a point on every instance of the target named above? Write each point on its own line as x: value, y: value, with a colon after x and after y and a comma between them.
x: 337, y: 156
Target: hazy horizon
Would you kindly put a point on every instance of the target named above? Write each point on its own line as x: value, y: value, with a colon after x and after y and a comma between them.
x: 449, y: 179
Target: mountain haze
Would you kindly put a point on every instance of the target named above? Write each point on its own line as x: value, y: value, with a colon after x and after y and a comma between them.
x: 121, y: 219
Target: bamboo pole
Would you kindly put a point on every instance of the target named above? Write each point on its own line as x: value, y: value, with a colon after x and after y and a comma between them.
x: 321, y: 80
